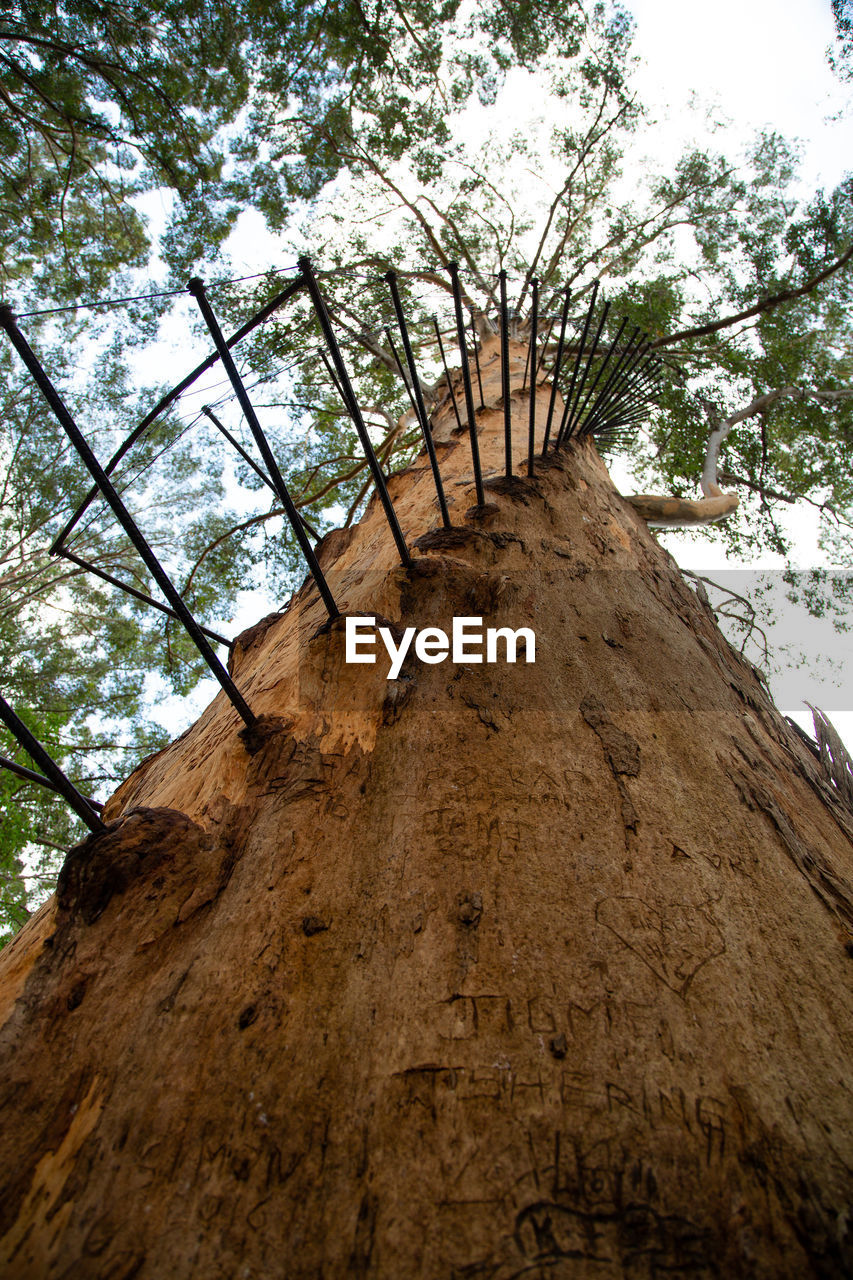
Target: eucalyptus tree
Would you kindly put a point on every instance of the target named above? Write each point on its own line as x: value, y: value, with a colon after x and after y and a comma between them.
x: 113, y: 113
x: 542, y: 926
x: 131, y: 140
x: 740, y: 278
x: 360, y: 123
x: 531, y: 962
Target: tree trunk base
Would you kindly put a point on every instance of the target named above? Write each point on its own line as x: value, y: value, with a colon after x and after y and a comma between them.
x: 488, y: 971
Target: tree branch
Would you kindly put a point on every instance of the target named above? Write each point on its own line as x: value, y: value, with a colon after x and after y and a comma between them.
x: 728, y: 477
x: 767, y: 304
x: 721, y: 427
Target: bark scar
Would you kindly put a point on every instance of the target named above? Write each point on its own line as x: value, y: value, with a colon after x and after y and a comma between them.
x: 623, y: 755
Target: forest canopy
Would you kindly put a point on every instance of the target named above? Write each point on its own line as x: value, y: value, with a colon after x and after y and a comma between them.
x: 373, y: 137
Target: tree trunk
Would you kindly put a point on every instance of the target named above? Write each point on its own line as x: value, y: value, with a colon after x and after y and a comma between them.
x: 487, y: 971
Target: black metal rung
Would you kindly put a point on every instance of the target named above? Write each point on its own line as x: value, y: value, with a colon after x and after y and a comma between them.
x: 196, y: 288
x: 416, y: 395
x: 30, y: 775
x: 247, y: 458
x: 56, y: 779
x: 122, y: 514
x: 134, y: 591
x: 171, y: 396
x: 555, y: 372
x: 576, y: 369
x: 505, y: 375
x: 571, y: 425
x: 352, y: 404
x: 447, y: 374
x: 453, y: 268
x: 534, y: 325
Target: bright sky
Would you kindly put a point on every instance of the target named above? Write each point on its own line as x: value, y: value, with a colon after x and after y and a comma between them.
x: 761, y: 63
x: 740, y: 65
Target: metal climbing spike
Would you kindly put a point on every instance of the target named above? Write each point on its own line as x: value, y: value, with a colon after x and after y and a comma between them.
x: 122, y: 514
x: 453, y: 268
x: 196, y: 288
x: 352, y: 404
x: 54, y: 776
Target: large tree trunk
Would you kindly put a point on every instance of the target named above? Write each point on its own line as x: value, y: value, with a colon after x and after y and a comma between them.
x: 492, y: 970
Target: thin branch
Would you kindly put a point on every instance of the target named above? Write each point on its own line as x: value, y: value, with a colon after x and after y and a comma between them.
x: 748, y: 622
x: 720, y: 428
x: 787, y: 295
x: 728, y: 477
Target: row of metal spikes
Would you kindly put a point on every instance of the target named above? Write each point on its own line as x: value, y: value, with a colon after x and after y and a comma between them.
x: 617, y: 405
x: 621, y: 397
x: 601, y: 418
x: 53, y: 777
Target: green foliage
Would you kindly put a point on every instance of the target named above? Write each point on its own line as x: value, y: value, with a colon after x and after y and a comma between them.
x: 841, y: 57
x: 224, y: 106
x: 103, y: 102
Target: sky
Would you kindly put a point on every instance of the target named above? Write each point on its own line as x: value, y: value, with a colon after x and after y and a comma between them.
x: 711, y: 74
x: 758, y: 63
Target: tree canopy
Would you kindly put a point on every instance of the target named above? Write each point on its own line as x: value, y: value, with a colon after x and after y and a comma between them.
x: 220, y: 106
x: 374, y: 137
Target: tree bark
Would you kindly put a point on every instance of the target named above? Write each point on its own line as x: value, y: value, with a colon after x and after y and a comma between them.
x: 501, y: 970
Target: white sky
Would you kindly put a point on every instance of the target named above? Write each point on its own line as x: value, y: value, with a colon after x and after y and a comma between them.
x: 761, y: 62
x: 739, y: 65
